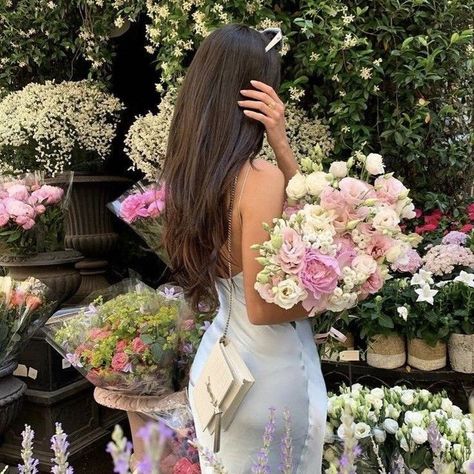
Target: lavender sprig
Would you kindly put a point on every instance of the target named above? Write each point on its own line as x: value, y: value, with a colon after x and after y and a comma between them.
x: 261, y: 464
x: 287, y: 445
x: 347, y: 462
x: 60, y: 445
x: 30, y: 464
x: 154, y: 437
x: 121, y: 451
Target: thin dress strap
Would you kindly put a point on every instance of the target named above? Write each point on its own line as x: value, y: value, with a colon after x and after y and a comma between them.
x: 243, y: 187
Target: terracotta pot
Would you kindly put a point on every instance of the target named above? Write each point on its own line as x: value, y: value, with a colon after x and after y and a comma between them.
x: 461, y: 352
x: 425, y: 357
x: 386, y: 352
x: 55, y: 269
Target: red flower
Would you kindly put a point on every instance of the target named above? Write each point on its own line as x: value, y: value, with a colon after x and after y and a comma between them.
x: 119, y: 361
x: 185, y: 466
x: 432, y: 220
x: 425, y: 228
x: 466, y: 228
x: 139, y: 346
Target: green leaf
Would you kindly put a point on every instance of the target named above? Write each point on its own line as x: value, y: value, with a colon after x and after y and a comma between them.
x: 386, y: 321
x: 156, y: 352
x: 147, y: 339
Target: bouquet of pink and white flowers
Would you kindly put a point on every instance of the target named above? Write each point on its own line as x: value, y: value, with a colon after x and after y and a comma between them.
x: 31, y: 215
x: 337, y: 237
x: 141, y: 207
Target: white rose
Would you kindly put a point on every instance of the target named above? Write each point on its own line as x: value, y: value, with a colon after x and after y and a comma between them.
x: 362, y: 430
x: 316, y: 182
x: 296, y: 188
x: 338, y: 169
x: 364, y: 265
x: 390, y: 426
x: 380, y: 435
x: 378, y: 393
x: 407, y: 397
x: 386, y: 219
x: 341, y: 431
x: 374, y: 164
x: 288, y: 293
x: 454, y: 425
x: 446, y: 405
x: 414, y: 417
x: 419, y: 435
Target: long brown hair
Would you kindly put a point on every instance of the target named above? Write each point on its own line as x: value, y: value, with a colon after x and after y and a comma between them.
x: 209, y: 142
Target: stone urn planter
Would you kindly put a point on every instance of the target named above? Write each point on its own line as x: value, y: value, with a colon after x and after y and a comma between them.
x: 11, y: 396
x: 55, y: 269
x: 461, y: 352
x: 386, y: 352
x: 425, y: 357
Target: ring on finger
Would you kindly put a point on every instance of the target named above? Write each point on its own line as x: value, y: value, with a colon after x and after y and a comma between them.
x: 271, y: 105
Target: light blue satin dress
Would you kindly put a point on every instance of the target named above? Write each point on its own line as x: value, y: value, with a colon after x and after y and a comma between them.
x: 285, y: 364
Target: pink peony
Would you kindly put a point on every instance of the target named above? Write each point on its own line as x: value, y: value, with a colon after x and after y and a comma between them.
x: 4, y: 216
x: 47, y: 195
x: 18, y: 208
x: 18, y: 191
x: 379, y: 245
x: 133, y: 207
x: 320, y: 273
x: 121, y: 346
x: 138, y: 346
x: 25, y: 222
x: 40, y: 209
x: 291, y: 252
x: 354, y: 191
x: 389, y: 189
x: 120, y: 361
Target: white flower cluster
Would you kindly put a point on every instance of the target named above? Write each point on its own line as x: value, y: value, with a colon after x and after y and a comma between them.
x: 412, y: 419
x: 147, y: 138
x: 56, y: 120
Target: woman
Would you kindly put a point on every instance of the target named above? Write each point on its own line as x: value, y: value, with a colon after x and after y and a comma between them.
x: 225, y: 105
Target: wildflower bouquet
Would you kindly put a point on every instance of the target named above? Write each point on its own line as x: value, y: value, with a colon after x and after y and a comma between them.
x: 337, y: 236
x: 404, y: 429
x: 141, y: 207
x: 24, y: 307
x: 126, y: 339
x: 31, y: 215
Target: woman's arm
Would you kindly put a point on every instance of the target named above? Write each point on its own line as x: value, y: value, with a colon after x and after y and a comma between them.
x: 267, y: 108
x: 261, y: 202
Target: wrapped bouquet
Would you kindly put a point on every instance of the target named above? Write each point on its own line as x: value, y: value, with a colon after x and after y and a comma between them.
x: 24, y: 307
x: 338, y: 235
x: 141, y: 207
x: 31, y: 215
x: 126, y: 339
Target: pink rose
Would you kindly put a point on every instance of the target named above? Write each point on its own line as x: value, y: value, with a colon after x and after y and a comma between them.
x: 320, y: 273
x: 373, y: 284
x: 18, y: 191
x: 18, y: 208
x: 120, y: 361
x: 389, y: 189
x: 346, y: 252
x: 291, y: 252
x: 121, y: 346
x: 47, y: 194
x: 379, y: 245
x: 138, y: 346
x: 133, y: 207
x: 354, y: 191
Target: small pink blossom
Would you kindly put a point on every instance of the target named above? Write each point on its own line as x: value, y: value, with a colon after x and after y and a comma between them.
x: 138, y: 346
x: 291, y: 252
x: 133, y: 207
x: 120, y: 362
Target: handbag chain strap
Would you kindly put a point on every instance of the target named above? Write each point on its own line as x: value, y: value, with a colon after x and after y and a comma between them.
x: 229, y: 259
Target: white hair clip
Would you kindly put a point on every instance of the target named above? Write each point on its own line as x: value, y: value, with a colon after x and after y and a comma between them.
x: 276, y: 39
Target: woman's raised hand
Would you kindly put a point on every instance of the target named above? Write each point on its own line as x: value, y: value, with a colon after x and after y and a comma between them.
x: 265, y: 106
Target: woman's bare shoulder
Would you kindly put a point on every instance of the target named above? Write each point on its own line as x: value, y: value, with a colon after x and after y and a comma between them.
x: 264, y: 170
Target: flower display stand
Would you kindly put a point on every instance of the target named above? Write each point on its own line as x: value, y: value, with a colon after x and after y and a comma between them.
x: 11, y: 396
x: 136, y: 407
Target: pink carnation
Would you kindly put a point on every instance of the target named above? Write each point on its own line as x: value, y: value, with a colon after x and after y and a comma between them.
x: 291, y: 252
x: 320, y: 273
x: 133, y: 207
x: 120, y: 362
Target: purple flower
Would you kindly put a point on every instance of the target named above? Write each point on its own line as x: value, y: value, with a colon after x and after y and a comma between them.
x: 454, y: 237
x: 434, y: 439
x: 145, y: 466
x: 74, y: 359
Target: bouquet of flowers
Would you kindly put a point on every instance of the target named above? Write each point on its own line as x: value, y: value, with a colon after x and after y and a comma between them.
x: 141, y: 207
x: 126, y: 339
x: 31, y: 215
x: 403, y: 430
x: 338, y: 234
x: 24, y: 307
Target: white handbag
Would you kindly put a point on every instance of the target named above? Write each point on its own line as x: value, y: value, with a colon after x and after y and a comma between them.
x: 225, y: 378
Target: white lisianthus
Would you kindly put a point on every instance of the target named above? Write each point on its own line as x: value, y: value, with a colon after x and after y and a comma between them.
x: 356, y: 388
x: 456, y: 412
x: 380, y: 435
x: 404, y: 444
x: 317, y: 181
x: 362, y: 430
x: 374, y: 164
x: 414, y: 417
x: 374, y: 401
x: 341, y: 431
x: 390, y: 425
x: 397, y: 389
x: 338, y: 169
x: 378, y: 393
x: 446, y: 405
x: 288, y: 293
x: 468, y: 425
x: 408, y: 397
x: 419, y: 435
x: 454, y: 425
x: 406, y: 209
x: 394, y: 252
x: 296, y: 188
x: 386, y: 219
x: 391, y: 412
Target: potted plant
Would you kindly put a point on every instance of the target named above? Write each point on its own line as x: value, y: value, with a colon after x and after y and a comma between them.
x: 381, y: 322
